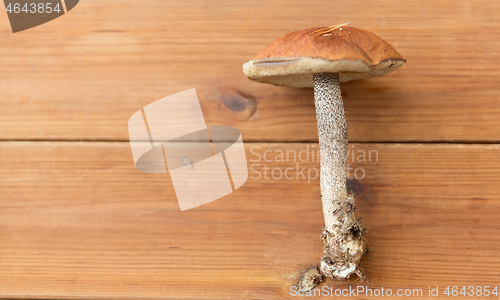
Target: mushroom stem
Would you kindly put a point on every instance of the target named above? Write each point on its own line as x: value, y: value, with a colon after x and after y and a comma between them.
x: 343, y: 235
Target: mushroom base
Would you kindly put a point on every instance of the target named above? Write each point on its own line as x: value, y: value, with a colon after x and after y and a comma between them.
x: 344, y: 245
x: 343, y: 248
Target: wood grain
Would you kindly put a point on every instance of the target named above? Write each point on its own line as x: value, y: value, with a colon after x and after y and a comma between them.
x: 78, y: 221
x: 81, y: 76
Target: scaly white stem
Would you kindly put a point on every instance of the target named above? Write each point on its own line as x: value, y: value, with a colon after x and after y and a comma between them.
x: 343, y: 235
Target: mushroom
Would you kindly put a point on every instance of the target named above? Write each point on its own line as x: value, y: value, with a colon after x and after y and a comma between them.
x: 322, y: 58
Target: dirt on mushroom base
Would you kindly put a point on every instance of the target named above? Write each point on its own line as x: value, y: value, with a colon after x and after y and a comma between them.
x: 343, y: 248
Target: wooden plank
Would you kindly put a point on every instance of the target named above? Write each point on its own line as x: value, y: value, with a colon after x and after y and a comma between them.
x: 77, y: 220
x: 83, y: 75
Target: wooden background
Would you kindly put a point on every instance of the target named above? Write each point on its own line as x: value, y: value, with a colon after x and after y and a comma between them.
x: 78, y: 221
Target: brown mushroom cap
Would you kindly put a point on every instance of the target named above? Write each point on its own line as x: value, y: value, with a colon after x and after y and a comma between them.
x: 293, y: 58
